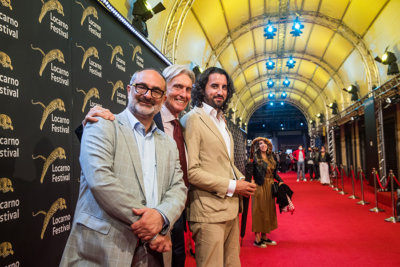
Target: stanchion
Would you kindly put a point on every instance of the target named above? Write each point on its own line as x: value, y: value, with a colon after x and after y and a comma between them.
x: 333, y: 175
x: 353, y: 196
x: 342, y: 177
x: 362, y: 202
x: 393, y: 218
x: 376, y: 208
x: 336, y: 188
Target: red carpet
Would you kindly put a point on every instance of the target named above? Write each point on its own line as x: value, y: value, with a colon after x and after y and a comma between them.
x: 326, y: 229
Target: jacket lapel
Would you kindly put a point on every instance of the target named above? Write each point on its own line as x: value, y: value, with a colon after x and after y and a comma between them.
x: 211, y: 125
x: 127, y: 132
x: 160, y: 161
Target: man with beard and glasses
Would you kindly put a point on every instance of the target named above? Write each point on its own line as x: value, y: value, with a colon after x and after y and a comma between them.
x: 215, y: 182
x: 178, y: 94
x: 131, y: 188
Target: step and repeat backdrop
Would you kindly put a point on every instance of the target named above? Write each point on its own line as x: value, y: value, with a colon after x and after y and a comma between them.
x: 58, y: 58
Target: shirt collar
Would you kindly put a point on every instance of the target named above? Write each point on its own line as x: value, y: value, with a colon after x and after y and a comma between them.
x: 137, y: 125
x: 166, y: 114
x: 212, y: 111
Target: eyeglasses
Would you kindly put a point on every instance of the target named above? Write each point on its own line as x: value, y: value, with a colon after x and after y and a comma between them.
x: 142, y: 89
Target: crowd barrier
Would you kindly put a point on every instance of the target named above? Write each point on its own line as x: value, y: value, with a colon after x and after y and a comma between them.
x: 340, y: 173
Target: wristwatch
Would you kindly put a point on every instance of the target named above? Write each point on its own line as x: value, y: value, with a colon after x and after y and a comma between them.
x: 164, y: 229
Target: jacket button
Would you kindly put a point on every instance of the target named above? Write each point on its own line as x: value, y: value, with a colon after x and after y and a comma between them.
x: 143, y: 202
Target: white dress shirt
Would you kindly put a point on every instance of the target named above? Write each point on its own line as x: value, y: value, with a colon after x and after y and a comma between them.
x: 219, y: 121
x: 147, y: 151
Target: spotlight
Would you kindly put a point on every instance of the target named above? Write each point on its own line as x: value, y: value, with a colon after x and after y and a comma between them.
x: 283, y: 95
x: 312, y: 122
x: 297, y: 27
x: 290, y: 63
x: 263, y: 125
x: 286, y: 82
x: 142, y: 11
x: 271, y: 95
x: 281, y: 124
x: 270, y: 31
x: 271, y: 104
x: 270, y: 64
x: 389, y: 59
x: 353, y: 90
x: 270, y: 83
x: 334, y: 107
x: 301, y: 124
x: 282, y: 103
x: 321, y: 118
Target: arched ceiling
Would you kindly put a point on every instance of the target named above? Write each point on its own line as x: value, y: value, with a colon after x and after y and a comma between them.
x: 337, y: 47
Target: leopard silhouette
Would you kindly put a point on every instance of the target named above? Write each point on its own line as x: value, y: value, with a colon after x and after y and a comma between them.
x: 93, y: 92
x: 50, y: 6
x: 58, y: 153
x: 136, y: 49
x: 5, y: 122
x: 50, y: 56
x: 115, y: 50
x: 91, y: 51
x: 6, y: 3
x: 6, y: 249
x: 87, y: 12
x: 6, y: 185
x: 117, y: 85
x: 59, y: 204
x: 54, y: 104
x: 5, y: 61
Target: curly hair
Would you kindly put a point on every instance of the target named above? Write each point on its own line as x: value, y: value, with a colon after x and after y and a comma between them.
x: 198, y: 91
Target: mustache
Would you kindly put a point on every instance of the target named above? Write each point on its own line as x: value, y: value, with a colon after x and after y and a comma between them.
x: 219, y: 96
x: 147, y: 100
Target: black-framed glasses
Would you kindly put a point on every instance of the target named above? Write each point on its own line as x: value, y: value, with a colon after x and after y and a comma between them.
x: 142, y: 89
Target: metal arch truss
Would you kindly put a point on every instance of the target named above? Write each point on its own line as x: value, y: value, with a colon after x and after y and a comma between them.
x: 301, y: 78
x: 308, y: 17
x: 258, y: 105
x: 174, y: 26
x: 296, y: 103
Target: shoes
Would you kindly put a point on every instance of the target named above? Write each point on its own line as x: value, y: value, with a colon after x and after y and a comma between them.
x: 311, y: 179
x: 259, y: 244
x: 268, y: 242
x: 298, y: 180
x: 305, y: 180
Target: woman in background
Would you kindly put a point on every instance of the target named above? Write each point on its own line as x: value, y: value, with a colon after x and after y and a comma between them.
x: 324, y: 159
x: 263, y: 167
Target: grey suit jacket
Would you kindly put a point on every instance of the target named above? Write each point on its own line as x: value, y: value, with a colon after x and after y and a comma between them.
x: 111, y: 185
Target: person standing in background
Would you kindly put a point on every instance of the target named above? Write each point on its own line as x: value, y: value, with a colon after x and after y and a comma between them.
x: 310, y: 162
x: 300, y: 157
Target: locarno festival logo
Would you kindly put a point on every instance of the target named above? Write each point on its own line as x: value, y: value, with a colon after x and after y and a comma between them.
x: 54, y: 54
x: 50, y: 6
x: 47, y: 110
x: 5, y: 61
x: 5, y: 122
x: 93, y: 92
x: 59, y: 204
x: 58, y: 153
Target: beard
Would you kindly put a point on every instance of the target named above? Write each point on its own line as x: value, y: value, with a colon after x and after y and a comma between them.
x: 136, y: 108
x: 217, y: 104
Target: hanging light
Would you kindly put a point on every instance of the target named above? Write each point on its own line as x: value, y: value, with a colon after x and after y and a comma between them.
x: 283, y: 95
x: 353, y: 90
x: 282, y: 103
x: 270, y: 83
x: 297, y: 27
x: 270, y: 64
x: 290, y: 63
x: 271, y: 95
x: 286, y: 82
x: 269, y: 31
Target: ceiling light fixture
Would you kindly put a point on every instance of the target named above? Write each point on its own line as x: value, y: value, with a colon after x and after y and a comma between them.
x: 290, y: 63
x: 297, y: 27
x: 389, y: 59
x: 269, y: 31
x: 270, y: 64
x: 142, y: 11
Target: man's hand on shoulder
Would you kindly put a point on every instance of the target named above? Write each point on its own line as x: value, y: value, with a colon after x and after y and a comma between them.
x: 97, y: 111
x: 149, y: 224
x: 245, y: 188
x: 161, y: 244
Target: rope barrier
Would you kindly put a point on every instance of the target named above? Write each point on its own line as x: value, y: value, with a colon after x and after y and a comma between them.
x: 363, y: 175
x: 395, y: 179
x: 380, y: 184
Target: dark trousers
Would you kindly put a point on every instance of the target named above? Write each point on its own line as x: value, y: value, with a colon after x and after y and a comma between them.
x: 178, y: 241
x: 316, y: 169
x: 311, y: 170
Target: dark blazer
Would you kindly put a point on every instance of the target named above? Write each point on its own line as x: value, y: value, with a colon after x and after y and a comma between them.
x: 258, y: 169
